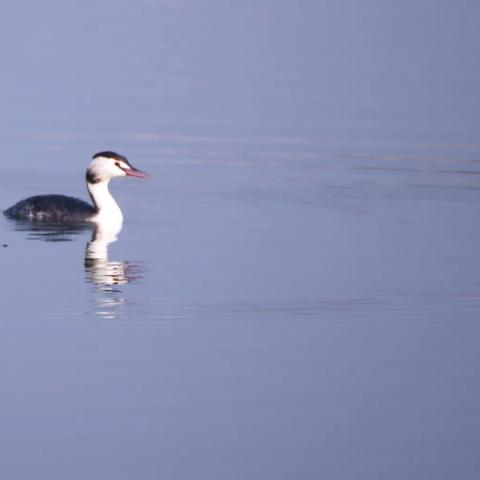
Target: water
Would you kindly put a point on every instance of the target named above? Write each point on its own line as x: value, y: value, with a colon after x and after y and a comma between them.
x: 295, y: 291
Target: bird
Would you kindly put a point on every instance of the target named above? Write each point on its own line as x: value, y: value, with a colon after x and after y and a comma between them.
x: 64, y: 209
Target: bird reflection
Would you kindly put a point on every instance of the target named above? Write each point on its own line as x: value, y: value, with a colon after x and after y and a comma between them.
x: 100, y: 270
x: 107, y: 276
x: 50, y: 232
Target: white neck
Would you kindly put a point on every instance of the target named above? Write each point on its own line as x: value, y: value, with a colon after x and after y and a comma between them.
x: 107, y: 208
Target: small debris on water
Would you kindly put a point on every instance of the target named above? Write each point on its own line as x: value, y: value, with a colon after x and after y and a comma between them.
x: 5, y: 245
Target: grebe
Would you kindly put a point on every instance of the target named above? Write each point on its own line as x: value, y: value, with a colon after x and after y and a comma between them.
x: 60, y: 208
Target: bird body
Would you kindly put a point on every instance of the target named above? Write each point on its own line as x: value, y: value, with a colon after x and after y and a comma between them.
x: 51, y: 208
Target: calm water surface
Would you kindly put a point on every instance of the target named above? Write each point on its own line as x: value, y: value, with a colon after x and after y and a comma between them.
x: 295, y: 292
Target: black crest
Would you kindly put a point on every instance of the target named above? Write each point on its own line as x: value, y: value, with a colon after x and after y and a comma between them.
x: 112, y: 155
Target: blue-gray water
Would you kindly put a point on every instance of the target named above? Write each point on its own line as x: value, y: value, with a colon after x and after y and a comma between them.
x: 297, y: 287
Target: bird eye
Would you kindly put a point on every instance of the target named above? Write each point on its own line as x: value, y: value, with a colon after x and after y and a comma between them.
x: 118, y: 165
